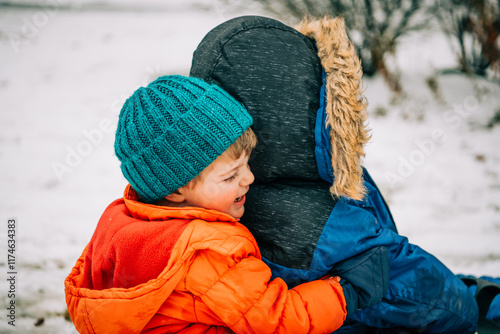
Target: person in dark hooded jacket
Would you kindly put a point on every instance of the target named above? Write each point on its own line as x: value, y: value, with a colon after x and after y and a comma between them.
x: 313, y: 204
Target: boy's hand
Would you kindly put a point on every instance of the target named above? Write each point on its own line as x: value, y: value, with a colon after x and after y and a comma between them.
x: 364, y: 278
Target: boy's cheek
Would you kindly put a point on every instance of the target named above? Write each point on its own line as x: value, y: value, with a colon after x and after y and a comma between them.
x: 212, y: 192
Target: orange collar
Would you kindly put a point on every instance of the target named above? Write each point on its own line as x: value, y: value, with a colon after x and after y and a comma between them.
x: 146, y: 211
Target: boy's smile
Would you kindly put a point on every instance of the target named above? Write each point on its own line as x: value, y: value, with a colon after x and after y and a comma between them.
x: 222, y: 186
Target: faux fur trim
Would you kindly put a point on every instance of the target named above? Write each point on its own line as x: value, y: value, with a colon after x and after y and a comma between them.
x: 346, y: 106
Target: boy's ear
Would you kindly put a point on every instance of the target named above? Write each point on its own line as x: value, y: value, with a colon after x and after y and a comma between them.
x: 176, y: 197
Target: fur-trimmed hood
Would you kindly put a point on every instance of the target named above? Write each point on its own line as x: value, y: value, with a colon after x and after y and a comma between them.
x: 276, y: 72
x: 345, y: 107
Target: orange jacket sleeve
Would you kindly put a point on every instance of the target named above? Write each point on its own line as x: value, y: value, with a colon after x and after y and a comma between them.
x: 239, y: 292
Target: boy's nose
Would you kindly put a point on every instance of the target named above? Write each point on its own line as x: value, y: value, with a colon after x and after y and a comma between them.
x: 247, y: 178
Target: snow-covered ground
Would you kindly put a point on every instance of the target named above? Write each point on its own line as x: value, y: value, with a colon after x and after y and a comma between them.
x: 66, y: 69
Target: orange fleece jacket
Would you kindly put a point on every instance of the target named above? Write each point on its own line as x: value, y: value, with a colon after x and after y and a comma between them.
x: 212, y: 278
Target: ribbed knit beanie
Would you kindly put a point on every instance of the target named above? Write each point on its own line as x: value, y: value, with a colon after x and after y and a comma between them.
x: 171, y: 130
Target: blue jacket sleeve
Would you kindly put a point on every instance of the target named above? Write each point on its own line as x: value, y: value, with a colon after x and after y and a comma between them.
x: 423, y: 293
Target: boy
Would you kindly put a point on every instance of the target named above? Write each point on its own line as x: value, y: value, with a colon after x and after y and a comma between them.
x: 171, y: 256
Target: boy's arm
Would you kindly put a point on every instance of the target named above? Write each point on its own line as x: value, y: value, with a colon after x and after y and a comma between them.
x: 240, y: 293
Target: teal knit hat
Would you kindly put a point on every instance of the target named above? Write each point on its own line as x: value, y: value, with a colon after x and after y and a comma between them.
x: 171, y: 130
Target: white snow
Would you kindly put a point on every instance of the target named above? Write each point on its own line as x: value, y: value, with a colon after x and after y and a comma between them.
x: 65, y: 72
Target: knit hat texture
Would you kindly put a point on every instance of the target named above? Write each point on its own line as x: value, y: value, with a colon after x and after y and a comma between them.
x: 171, y: 130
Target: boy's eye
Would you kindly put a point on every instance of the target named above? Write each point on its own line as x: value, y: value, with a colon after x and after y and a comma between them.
x: 231, y: 178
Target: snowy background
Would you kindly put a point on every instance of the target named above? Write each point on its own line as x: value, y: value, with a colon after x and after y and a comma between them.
x: 66, y: 69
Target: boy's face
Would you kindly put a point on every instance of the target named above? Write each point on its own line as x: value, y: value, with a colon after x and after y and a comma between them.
x: 222, y: 187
